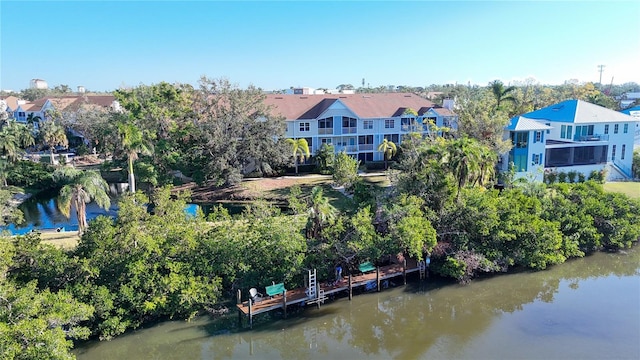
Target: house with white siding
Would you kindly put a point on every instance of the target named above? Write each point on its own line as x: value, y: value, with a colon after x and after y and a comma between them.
x: 572, y: 135
x: 358, y: 123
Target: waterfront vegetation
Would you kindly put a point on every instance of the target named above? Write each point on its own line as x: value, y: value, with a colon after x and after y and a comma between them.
x: 150, y: 265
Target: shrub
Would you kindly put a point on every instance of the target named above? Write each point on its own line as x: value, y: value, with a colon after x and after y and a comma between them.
x: 562, y: 177
x: 29, y: 174
x: 550, y: 177
x: 581, y: 177
x: 571, y: 176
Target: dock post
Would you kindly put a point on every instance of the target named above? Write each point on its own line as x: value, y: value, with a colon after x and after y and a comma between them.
x: 239, y: 301
x: 318, y: 295
x: 250, y: 316
x: 350, y: 289
x: 404, y: 271
x: 378, y: 277
x: 284, y: 302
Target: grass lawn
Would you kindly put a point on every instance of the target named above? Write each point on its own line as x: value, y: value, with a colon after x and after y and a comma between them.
x: 631, y: 189
x: 65, y: 239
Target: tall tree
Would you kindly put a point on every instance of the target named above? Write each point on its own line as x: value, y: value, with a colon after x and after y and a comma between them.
x: 501, y: 93
x: 81, y: 187
x: 133, y: 143
x: 321, y: 213
x: 388, y: 149
x: 463, y: 159
x: 53, y: 135
x: 300, y: 150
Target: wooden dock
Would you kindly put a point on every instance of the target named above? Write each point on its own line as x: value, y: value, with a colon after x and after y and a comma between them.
x: 371, y: 280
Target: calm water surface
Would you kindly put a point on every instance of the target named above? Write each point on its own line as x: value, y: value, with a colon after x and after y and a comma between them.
x: 585, y: 309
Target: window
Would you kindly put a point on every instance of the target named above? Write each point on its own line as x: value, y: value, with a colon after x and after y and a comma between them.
x: 367, y: 124
x: 625, y: 129
x: 392, y: 137
x: 569, y: 130
x: 615, y: 128
x: 389, y: 124
x: 520, y: 139
x: 365, y: 140
x: 613, y: 153
x: 563, y: 131
x: 548, y: 130
x: 325, y: 123
x: 622, y: 152
x: 606, y: 129
x: 20, y: 114
x: 325, y: 126
x: 325, y: 141
x: 538, y: 137
x: 304, y: 126
x: 535, y: 159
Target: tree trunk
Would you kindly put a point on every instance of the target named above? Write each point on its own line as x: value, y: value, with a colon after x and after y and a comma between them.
x: 53, y: 160
x: 295, y: 161
x: 132, y: 179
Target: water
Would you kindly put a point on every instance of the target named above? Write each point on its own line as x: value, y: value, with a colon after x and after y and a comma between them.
x: 41, y: 213
x: 584, y: 309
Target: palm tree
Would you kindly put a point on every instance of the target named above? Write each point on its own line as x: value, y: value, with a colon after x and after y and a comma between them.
x: 321, y: 213
x: 81, y: 188
x: 133, y: 143
x: 501, y: 93
x: 389, y: 149
x: 13, y: 137
x: 53, y: 135
x: 463, y: 160
x: 300, y: 149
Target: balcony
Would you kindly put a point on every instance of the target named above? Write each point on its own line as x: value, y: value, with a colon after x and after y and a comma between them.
x: 349, y: 130
x: 324, y: 131
x: 365, y: 147
x: 596, y: 137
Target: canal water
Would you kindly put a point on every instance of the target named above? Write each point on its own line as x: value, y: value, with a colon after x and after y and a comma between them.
x: 584, y: 309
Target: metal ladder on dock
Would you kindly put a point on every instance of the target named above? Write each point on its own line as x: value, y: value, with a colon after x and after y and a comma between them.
x: 422, y: 267
x: 315, y: 294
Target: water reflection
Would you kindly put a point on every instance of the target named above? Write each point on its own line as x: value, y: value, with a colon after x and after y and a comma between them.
x: 586, y: 308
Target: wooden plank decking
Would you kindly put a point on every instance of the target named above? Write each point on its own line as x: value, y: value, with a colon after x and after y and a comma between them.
x: 297, y: 296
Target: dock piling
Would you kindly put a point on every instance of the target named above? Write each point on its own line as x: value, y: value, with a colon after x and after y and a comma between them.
x: 350, y: 289
x: 378, y: 278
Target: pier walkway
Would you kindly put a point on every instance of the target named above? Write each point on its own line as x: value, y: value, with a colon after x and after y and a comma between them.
x: 305, y: 296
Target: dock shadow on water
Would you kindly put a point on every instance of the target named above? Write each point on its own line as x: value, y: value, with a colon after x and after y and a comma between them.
x: 586, y: 308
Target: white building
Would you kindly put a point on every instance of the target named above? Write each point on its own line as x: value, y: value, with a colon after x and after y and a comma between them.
x: 573, y: 135
x: 358, y: 123
x: 38, y: 84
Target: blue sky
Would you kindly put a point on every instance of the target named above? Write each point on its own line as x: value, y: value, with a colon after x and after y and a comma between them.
x: 104, y: 45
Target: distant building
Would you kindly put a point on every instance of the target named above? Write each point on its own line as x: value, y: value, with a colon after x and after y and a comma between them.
x: 358, y: 123
x: 38, y: 84
x: 627, y: 99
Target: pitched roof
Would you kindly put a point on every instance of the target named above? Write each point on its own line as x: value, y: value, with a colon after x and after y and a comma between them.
x: 12, y: 101
x: 74, y: 102
x: 363, y: 105
x: 633, y: 111
x: 443, y: 111
x: 521, y: 123
x: 577, y: 111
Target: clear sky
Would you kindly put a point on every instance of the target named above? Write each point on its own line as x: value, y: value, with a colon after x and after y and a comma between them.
x: 104, y: 45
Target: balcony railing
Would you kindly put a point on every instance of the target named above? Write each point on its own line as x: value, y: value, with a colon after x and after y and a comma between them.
x: 349, y: 130
x: 323, y: 131
x: 348, y: 148
x: 365, y: 147
x: 596, y: 137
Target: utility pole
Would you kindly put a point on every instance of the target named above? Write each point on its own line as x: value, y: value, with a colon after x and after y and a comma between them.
x: 600, y: 69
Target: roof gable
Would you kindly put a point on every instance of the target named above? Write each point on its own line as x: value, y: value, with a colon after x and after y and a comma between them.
x: 521, y: 123
x: 577, y: 111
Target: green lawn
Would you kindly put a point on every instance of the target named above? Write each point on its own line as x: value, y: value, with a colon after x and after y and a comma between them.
x: 631, y: 189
